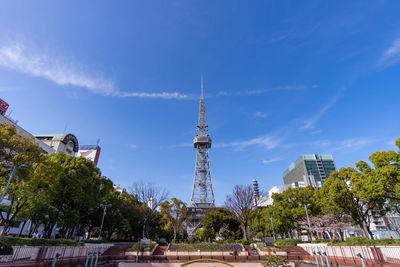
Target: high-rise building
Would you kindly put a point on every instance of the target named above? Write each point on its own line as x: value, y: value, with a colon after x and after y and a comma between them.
x: 309, y: 169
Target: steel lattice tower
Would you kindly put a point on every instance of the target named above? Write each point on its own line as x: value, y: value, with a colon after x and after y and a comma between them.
x: 203, y: 193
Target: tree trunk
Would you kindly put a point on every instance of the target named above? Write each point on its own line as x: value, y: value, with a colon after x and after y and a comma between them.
x: 245, y: 231
x: 174, y: 235
x: 22, y: 228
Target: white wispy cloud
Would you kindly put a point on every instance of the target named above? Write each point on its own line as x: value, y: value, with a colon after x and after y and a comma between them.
x: 268, y: 161
x: 353, y: 144
x: 133, y: 146
x: 18, y: 57
x: 391, y: 55
x: 309, y: 124
x: 259, y: 114
x: 279, y: 88
x: 316, y: 132
x: 267, y: 141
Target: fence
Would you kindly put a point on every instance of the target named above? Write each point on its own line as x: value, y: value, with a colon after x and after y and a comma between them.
x: 31, y: 255
x: 372, y: 255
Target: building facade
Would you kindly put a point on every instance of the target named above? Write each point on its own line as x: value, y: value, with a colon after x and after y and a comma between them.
x: 309, y: 169
x: 67, y: 143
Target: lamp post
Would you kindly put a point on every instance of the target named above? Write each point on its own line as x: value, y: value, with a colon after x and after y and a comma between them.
x: 12, y: 173
x: 393, y: 163
x: 104, y: 206
x: 273, y: 230
x: 308, y: 220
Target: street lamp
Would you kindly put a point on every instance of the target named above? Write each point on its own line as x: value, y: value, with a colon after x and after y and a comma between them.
x: 308, y: 220
x: 273, y: 230
x: 12, y: 172
x: 104, y: 206
x: 394, y: 163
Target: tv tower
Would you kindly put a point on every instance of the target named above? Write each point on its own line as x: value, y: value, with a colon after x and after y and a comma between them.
x: 203, y: 193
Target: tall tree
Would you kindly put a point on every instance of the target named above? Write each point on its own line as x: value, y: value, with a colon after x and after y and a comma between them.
x: 175, y: 213
x: 221, y: 221
x: 354, y: 192
x: 63, y: 191
x: 15, y: 150
x: 241, y: 203
x: 151, y: 196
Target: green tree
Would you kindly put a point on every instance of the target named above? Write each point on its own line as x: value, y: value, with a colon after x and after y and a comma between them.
x: 64, y: 189
x: 15, y: 149
x: 288, y: 208
x: 175, y: 213
x: 221, y: 221
x: 354, y: 192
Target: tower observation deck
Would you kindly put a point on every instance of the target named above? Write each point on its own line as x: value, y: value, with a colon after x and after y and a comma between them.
x: 203, y: 193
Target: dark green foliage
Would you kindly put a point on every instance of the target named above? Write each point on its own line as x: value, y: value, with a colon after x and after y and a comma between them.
x: 219, y: 222
x: 5, y: 248
x: 362, y: 241
x: 19, y: 241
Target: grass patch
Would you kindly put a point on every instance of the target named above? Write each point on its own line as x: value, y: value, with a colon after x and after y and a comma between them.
x: 263, y: 248
x: 137, y: 247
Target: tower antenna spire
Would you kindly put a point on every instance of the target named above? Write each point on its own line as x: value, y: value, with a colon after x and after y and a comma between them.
x: 202, y: 85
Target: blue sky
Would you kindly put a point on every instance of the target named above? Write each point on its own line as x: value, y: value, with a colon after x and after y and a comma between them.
x: 282, y: 78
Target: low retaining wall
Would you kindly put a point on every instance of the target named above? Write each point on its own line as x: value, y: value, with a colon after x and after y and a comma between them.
x: 269, y: 253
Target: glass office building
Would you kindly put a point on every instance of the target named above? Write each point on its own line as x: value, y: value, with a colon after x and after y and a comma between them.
x: 309, y: 169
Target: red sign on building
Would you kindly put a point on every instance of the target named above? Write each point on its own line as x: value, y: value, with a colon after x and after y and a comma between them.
x: 3, y: 106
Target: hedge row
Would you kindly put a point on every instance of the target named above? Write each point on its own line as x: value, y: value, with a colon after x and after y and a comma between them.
x: 351, y: 241
x: 19, y: 241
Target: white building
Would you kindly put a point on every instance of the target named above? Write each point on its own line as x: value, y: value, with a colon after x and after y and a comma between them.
x: 49, y: 144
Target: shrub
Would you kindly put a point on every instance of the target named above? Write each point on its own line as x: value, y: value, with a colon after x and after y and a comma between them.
x: 362, y: 241
x: 288, y: 242
x: 5, y: 248
x: 137, y: 247
x: 274, y: 261
x: 322, y: 241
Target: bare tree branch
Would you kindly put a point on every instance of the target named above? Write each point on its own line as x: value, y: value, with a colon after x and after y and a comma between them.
x: 149, y: 193
x: 241, y: 203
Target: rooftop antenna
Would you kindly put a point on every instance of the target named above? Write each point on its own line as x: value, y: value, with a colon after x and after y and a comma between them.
x: 65, y: 128
x: 202, y: 85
